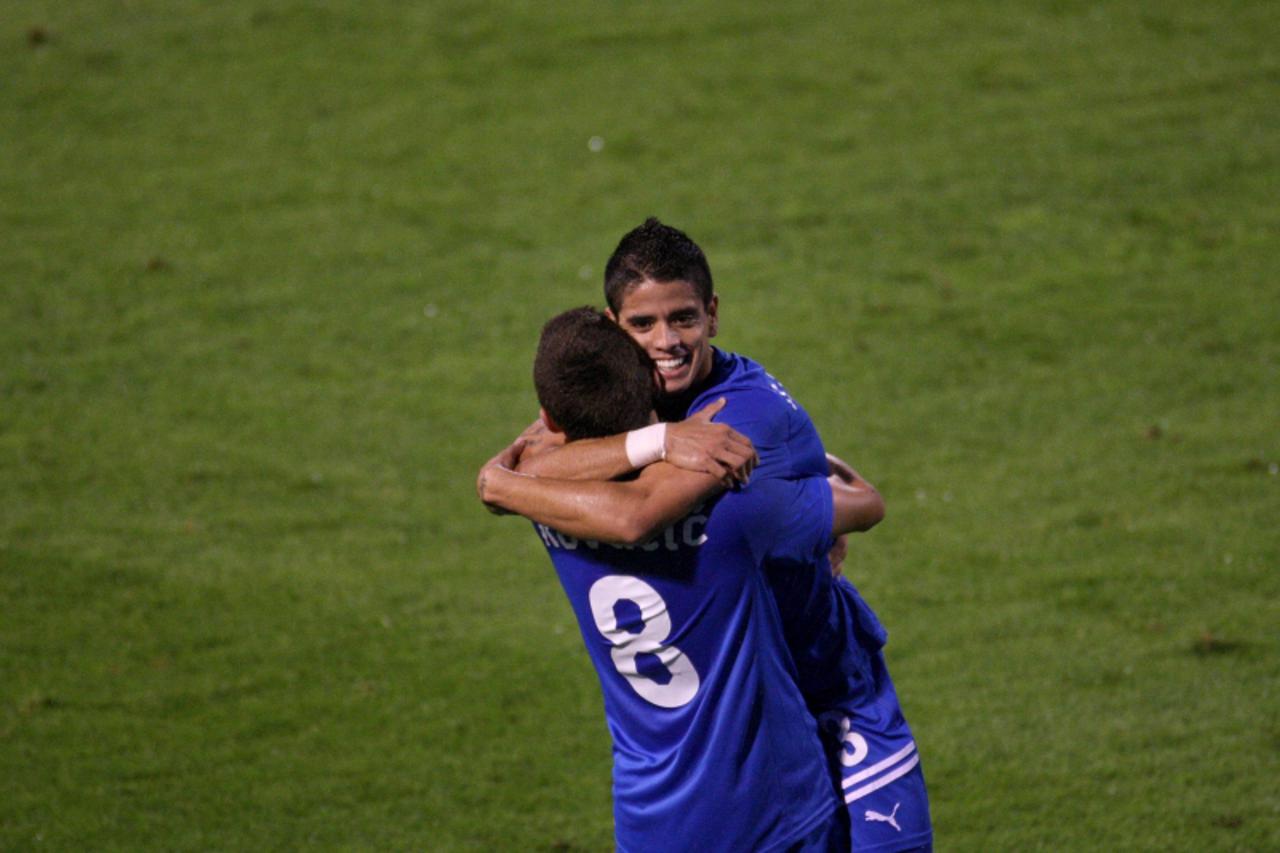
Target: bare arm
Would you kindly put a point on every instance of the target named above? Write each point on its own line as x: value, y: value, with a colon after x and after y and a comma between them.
x: 627, y: 513
x: 695, y: 444
x: 547, y: 455
x: 858, y: 506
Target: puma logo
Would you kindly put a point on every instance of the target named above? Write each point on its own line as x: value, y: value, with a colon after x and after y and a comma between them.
x: 885, y: 818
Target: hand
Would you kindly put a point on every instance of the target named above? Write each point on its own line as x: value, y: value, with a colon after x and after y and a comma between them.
x: 507, y: 459
x: 839, y: 550
x: 538, y: 440
x: 697, y: 444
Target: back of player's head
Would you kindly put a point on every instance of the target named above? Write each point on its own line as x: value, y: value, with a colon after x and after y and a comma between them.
x: 592, y: 378
x: 659, y: 253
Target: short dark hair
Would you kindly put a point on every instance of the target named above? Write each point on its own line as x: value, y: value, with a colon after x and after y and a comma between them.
x: 659, y: 253
x: 592, y: 378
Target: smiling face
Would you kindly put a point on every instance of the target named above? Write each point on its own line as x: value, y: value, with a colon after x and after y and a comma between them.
x: 675, y: 328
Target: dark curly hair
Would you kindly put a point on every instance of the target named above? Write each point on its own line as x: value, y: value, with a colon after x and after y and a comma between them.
x: 655, y: 252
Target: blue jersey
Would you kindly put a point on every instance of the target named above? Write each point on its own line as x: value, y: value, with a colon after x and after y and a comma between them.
x: 831, y: 632
x: 761, y: 409
x: 713, y: 748
x: 833, y: 635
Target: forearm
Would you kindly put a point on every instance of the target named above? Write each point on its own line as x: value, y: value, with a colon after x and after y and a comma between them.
x: 629, y: 512
x: 856, y: 507
x: 587, y: 459
x: 856, y: 503
x: 694, y: 444
x: 609, y: 512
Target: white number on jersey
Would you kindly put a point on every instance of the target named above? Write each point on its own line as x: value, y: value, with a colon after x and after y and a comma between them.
x: 656, y: 628
x: 853, y: 746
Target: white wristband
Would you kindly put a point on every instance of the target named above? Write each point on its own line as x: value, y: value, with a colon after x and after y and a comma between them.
x: 647, y: 445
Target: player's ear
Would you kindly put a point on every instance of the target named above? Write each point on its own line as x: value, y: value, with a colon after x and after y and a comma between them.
x: 713, y: 316
x: 549, y: 421
x: 608, y: 312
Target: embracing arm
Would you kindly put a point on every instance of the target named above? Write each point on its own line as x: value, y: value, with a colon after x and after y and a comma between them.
x: 547, y: 455
x: 857, y: 505
x: 626, y: 513
x: 695, y: 444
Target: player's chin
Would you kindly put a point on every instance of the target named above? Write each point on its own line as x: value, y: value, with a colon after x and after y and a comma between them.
x: 677, y: 382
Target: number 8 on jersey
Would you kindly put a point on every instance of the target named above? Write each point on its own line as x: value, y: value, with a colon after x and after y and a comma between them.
x: 655, y: 628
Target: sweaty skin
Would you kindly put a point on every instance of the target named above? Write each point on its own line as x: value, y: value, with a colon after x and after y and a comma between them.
x: 673, y: 325
x: 628, y: 512
x: 634, y: 511
x: 695, y: 444
x: 623, y: 512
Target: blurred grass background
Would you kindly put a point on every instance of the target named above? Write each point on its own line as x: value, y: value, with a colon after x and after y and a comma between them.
x: 272, y: 275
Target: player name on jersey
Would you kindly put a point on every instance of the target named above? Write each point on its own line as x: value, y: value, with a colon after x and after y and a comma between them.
x: 688, y: 532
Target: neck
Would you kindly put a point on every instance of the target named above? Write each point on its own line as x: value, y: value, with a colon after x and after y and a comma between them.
x: 673, y: 408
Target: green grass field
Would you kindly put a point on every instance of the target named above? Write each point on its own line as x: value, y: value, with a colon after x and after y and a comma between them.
x: 272, y: 275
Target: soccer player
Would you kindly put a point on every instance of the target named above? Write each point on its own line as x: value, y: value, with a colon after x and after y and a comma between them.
x: 659, y: 289
x: 713, y: 746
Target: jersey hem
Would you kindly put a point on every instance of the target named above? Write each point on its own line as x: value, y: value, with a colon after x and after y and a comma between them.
x: 906, y: 842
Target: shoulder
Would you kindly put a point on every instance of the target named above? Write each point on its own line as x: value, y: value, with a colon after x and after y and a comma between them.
x: 788, y: 498
x: 755, y: 399
x: 737, y: 374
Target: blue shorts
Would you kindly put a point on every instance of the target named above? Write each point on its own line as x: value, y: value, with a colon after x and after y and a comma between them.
x: 873, y: 755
